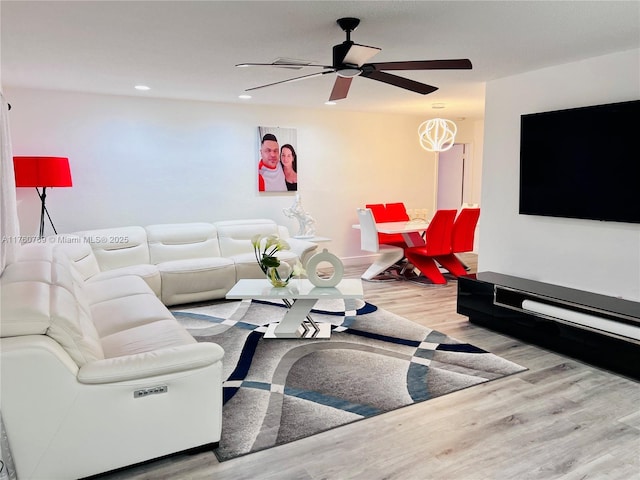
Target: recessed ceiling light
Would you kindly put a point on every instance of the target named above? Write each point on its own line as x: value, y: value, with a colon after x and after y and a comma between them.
x: 329, y: 103
x: 142, y: 87
x: 437, y: 106
x: 244, y: 97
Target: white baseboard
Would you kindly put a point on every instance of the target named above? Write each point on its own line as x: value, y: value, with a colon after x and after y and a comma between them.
x: 358, y: 260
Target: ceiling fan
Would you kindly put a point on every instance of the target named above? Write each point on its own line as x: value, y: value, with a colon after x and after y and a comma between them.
x: 349, y: 60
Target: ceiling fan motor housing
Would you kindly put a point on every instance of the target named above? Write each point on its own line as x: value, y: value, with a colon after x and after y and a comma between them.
x: 339, y: 52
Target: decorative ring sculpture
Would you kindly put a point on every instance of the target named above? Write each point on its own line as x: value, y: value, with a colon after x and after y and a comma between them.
x: 312, y: 272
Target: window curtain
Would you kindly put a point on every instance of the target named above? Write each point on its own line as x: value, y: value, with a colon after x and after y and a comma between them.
x: 9, y: 227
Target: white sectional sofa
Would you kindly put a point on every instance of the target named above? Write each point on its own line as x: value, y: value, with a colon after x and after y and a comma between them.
x: 187, y: 262
x: 96, y: 373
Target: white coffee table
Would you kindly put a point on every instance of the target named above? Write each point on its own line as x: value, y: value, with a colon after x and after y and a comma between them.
x: 299, y: 296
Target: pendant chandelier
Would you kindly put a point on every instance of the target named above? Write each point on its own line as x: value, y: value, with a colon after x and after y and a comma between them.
x: 437, y: 134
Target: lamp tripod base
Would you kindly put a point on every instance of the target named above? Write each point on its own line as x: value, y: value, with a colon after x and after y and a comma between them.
x: 43, y: 211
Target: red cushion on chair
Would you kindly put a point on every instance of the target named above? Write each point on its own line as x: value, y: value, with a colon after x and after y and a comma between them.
x: 396, y: 212
x: 380, y: 215
x: 464, y: 230
x: 379, y: 212
x: 438, y: 235
x: 392, y: 239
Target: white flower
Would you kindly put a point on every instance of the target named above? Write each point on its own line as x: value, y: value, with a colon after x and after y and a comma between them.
x: 298, y: 270
x: 266, y: 256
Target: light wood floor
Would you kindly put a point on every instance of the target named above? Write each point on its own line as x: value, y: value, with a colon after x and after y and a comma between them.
x: 561, y: 419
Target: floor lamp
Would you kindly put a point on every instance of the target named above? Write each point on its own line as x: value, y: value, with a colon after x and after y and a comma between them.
x: 42, y: 172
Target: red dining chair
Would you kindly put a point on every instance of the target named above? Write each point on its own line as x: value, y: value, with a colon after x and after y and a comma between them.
x: 438, y: 243
x: 379, y: 211
x: 396, y: 212
x: 381, y: 214
x: 462, y: 237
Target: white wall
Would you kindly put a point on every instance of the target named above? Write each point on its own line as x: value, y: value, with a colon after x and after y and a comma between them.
x: 138, y: 161
x: 602, y: 257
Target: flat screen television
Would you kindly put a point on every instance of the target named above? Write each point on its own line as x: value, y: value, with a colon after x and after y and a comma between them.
x: 582, y: 163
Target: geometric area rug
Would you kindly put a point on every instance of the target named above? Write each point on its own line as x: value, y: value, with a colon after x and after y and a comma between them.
x: 280, y: 390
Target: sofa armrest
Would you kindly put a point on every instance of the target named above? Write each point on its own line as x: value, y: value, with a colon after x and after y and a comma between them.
x: 151, y: 364
x: 303, y: 248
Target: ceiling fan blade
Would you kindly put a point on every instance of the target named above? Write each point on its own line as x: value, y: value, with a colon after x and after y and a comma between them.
x: 359, y: 54
x: 401, y: 82
x: 283, y: 65
x: 340, y: 88
x: 457, y: 64
x: 295, y: 79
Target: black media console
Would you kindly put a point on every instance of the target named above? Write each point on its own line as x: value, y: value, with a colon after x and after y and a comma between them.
x: 598, y: 329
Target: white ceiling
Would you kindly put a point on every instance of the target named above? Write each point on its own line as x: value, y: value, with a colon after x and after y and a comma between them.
x: 188, y: 49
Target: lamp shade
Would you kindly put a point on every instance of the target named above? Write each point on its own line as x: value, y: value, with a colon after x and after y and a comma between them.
x: 42, y: 171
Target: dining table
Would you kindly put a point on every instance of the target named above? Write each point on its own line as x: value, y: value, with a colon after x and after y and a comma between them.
x: 411, y: 231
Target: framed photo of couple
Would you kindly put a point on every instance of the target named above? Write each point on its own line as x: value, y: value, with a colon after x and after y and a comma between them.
x: 278, y: 160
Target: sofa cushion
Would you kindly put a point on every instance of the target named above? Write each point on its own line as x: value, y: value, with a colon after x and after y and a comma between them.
x: 146, y: 338
x: 195, y: 265
x: 79, y: 252
x: 64, y: 274
x: 45, y: 297
x: 182, y: 241
x: 101, y: 289
x: 118, y: 247
x: 122, y: 313
x: 149, y: 273
x: 24, y: 308
x: 72, y: 328
x: 235, y: 235
x: 185, y: 281
x: 247, y: 266
x: 27, y: 271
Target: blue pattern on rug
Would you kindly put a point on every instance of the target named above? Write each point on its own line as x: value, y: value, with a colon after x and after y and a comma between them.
x: 415, y: 382
x: 335, y: 402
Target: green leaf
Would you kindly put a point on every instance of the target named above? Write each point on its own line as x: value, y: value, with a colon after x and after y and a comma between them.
x: 269, y: 261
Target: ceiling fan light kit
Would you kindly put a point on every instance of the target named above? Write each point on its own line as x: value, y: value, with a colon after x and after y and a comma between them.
x: 350, y: 60
x: 348, y: 72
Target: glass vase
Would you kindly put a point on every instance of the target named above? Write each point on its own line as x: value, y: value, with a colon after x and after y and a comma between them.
x: 279, y: 276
